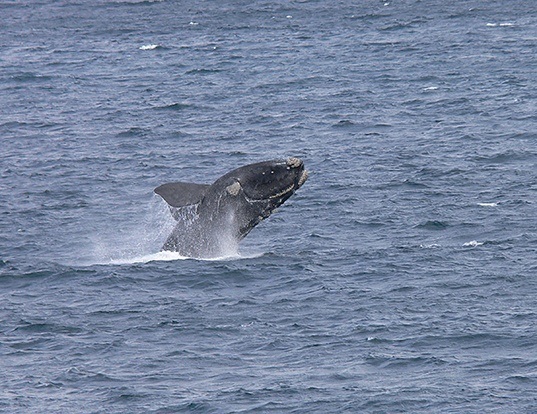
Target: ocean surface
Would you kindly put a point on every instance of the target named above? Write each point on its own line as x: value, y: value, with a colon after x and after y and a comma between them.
x: 401, y: 278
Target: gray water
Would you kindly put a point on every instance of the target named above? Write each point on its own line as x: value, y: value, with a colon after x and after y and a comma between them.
x: 400, y: 278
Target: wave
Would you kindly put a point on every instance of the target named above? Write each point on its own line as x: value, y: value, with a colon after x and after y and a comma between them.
x: 151, y: 47
x: 505, y: 24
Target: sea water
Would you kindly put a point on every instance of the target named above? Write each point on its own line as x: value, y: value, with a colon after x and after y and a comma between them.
x: 400, y: 278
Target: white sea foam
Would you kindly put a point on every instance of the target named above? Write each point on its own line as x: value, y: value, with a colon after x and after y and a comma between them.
x: 473, y: 243
x: 505, y: 24
x: 429, y: 246
x: 162, y: 256
x: 488, y: 204
x: 167, y: 256
x: 149, y: 47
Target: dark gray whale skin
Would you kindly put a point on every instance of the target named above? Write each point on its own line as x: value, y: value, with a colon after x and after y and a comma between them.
x: 212, y: 219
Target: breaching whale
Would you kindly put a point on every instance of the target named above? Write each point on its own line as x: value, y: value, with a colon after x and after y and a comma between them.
x: 212, y: 219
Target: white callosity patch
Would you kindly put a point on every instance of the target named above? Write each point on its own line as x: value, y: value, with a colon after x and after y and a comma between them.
x: 303, y: 178
x: 294, y: 162
x: 234, y: 189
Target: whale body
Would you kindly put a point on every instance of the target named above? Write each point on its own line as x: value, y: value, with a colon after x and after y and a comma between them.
x: 212, y: 219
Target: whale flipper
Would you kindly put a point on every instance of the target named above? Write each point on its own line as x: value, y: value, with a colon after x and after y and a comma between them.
x: 181, y: 194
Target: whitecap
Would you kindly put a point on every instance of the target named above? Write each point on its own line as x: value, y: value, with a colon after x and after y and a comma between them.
x: 488, y: 204
x: 473, y: 243
x: 149, y: 47
x: 429, y: 246
x: 505, y: 24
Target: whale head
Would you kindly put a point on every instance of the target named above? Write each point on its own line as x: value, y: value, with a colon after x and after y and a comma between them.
x: 270, y: 182
x: 256, y: 190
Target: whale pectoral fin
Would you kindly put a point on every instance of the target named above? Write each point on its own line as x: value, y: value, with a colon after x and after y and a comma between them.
x: 181, y: 194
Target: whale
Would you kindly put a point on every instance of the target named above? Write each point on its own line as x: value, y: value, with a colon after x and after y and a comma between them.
x: 211, y: 219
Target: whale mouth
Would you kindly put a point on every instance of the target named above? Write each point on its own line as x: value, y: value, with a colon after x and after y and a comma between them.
x: 282, y: 193
x: 293, y: 187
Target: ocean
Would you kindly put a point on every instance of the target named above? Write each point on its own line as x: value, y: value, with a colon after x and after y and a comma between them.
x: 401, y: 278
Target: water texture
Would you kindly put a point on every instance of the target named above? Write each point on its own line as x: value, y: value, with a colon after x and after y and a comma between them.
x: 400, y: 278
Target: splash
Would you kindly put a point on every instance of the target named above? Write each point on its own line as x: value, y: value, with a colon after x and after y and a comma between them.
x: 133, y: 242
x: 203, y: 237
x: 141, y: 242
